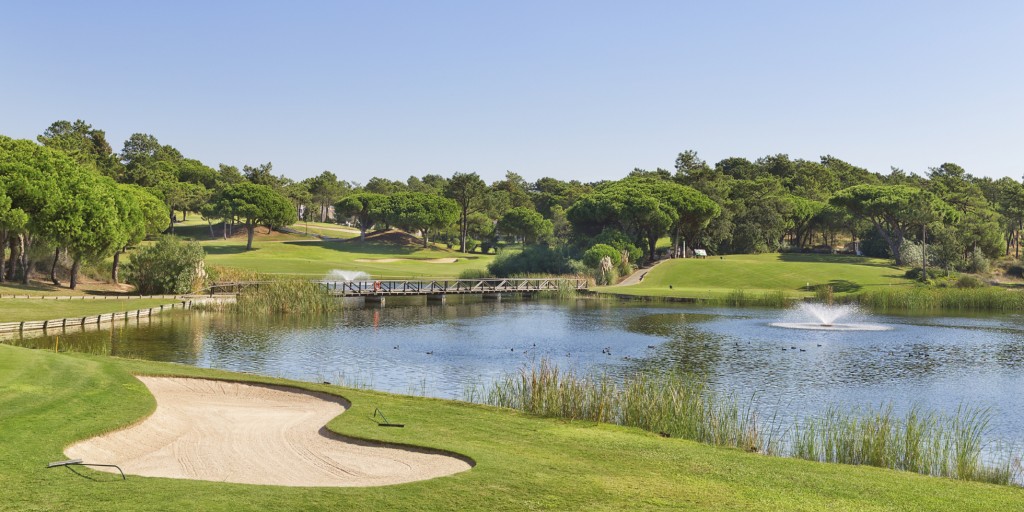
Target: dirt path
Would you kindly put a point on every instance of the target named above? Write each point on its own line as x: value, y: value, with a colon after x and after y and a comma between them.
x: 243, y: 433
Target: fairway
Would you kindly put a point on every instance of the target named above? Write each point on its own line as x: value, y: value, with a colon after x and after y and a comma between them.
x: 792, y: 273
x: 314, y: 258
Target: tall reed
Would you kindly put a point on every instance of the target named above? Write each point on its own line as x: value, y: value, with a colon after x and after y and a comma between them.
x: 671, y: 404
x: 923, y: 298
x: 741, y: 298
x: 286, y: 295
x: 927, y: 443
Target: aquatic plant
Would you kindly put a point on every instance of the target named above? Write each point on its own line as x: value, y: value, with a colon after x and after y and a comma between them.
x: 671, y: 404
x: 923, y: 298
x: 922, y: 442
x: 286, y: 295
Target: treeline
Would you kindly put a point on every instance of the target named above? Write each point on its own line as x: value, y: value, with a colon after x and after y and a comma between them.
x: 947, y: 218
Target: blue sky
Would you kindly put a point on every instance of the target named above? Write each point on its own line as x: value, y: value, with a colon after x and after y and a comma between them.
x: 574, y: 90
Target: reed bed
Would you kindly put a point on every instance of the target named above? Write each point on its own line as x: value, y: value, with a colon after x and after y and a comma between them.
x: 921, y: 298
x: 286, y: 296
x: 743, y: 298
x: 673, y: 405
x: 922, y: 442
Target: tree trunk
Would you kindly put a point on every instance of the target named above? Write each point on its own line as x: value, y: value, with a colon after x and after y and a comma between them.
x: 210, y: 224
x: 426, y: 242
x: 924, y: 252
x: 117, y: 266
x: 74, y: 273
x: 463, y: 230
x: 15, y: 245
x: 251, y: 229
x: 894, y: 249
x: 3, y: 254
x: 53, y: 268
x: 26, y: 260
x: 225, y: 229
x: 183, y: 216
x: 362, y: 233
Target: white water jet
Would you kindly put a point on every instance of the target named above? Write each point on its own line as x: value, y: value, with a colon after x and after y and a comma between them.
x: 825, y: 317
x: 346, y: 275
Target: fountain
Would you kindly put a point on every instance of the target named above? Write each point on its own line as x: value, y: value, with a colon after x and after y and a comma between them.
x: 346, y: 275
x: 825, y: 318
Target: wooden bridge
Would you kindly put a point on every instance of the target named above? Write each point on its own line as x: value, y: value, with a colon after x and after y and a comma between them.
x: 433, y: 289
x: 452, y: 286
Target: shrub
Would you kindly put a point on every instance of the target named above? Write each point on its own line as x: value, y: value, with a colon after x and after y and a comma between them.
x: 620, y: 241
x: 169, y: 266
x: 978, y: 263
x: 592, y: 258
x: 915, y: 273
x: 535, y: 259
x: 969, y: 282
x: 474, y: 273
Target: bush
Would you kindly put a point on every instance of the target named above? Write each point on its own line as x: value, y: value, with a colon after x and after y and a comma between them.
x: 474, y: 273
x: 915, y: 273
x: 978, y: 263
x: 592, y: 258
x: 620, y: 241
x: 535, y: 259
x: 170, y: 266
x: 969, y: 282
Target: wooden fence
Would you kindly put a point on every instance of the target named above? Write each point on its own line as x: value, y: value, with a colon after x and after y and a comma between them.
x: 64, y: 323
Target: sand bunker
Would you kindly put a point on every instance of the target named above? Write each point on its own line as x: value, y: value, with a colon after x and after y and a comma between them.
x: 392, y: 260
x: 253, y: 434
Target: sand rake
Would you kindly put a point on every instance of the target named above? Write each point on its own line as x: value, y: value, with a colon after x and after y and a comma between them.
x: 78, y: 462
x: 377, y: 412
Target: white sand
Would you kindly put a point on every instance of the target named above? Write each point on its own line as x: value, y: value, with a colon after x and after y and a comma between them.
x: 393, y: 260
x: 243, y: 433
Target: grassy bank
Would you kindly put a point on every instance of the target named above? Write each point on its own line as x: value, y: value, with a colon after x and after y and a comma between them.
x: 523, y: 463
x: 24, y: 310
x: 795, y: 275
x: 317, y: 258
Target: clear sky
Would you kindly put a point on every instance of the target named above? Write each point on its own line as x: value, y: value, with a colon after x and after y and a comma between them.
x: 573, y: 90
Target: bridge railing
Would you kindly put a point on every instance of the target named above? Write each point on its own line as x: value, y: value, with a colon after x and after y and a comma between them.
x: 425, y: 286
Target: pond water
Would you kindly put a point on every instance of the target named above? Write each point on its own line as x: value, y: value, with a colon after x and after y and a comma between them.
x: 445, y: 350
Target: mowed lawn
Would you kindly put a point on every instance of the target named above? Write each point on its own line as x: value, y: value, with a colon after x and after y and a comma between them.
x: 792, y: 273
x: 326, y: 229
x: 48, y: 401
x: 25, y: 310
x: 315, y: 258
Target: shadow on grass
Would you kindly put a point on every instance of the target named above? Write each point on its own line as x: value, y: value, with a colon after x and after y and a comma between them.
x: 228, y: 249
x: 848, y: 259
x: 838, y: 286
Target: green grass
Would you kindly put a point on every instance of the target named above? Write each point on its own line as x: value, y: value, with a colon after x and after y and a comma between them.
x: 716, y: 277
x: 317, y: 258
x: 24, y: 310
x: 48, y: 401
x: 326, y: 229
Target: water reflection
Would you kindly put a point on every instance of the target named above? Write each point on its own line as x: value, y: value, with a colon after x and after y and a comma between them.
x: 441, y: 350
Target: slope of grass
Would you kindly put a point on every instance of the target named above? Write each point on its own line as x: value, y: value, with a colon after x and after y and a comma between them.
x: 791, y: 273
x: 317, y: 258
x: 48, y: 401
x: 24, y: 310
